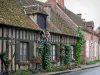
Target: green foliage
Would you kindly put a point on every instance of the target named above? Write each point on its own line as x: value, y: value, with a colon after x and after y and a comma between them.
x: 46, y: 57
x: 6, y: 58
x: 55, y: 69
x: 62, y: 53
x: 79, y: 46
x: 21, y: 72
x: 40, y: 50
x: 33, y: 71
x: 67, y: 55
x: 92, y: 62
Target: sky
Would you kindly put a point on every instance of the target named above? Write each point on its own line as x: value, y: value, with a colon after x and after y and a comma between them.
x: 90, y: 9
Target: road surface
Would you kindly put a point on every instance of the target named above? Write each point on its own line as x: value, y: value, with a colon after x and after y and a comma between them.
x: 93, y: 71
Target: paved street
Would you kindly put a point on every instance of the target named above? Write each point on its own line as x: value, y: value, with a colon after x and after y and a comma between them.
x: 93, y: 71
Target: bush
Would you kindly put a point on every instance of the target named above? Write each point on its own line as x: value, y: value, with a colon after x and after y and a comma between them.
x: 33, y: 71
x: 21, y: 72
x: 92, y: 62
x: 52, y: 69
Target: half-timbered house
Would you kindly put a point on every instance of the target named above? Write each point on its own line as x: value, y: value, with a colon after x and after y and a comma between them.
x: 20, y: 24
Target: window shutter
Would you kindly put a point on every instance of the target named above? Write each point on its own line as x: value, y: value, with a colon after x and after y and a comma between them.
x: 17, y: 52
x: 31, y: 48
x: 58, y: 52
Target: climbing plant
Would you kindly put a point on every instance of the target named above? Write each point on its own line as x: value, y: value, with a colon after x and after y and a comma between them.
x: 79, y: 46
x: 67, y: 55
x: 46, y: 56
x: 40, y: 47
x: 62, y: 55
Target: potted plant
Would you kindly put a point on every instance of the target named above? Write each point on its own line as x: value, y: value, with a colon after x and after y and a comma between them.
x: 54, y: 62
x: 26, y: 63
x: 38, y: 60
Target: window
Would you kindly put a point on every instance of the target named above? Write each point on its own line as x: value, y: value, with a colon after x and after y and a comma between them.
x: 72, y: 53
x: 23, y: 52
x: 53, y: 47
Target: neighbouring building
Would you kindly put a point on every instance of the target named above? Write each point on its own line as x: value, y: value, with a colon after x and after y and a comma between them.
x: 20, y: 24
x: 90, y: 48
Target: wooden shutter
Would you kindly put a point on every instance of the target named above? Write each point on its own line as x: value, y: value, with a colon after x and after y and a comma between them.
x: 17, y: 54
x: 31, y: 48
x: 58, y: 52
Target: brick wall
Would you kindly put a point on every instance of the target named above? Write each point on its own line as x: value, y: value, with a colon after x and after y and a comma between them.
x: 91, y: 47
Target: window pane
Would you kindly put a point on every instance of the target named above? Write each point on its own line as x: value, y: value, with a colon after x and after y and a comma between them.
x: 54, y: 52
x: 24, y: 52
x: 20, y: 48
x: 53, y: 47
x: 24, y: 57
x: 53, y: 57
x: 21, y: 58
x: 25, y: 48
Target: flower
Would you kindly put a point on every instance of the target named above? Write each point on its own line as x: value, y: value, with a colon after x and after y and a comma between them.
x: 7, y: 57
x: 62, y: 47
x: 26, y: 62
x: 36, y: 60
x: 54, y: 61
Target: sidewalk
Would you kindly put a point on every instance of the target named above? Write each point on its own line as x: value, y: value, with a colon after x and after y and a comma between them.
x: 83, y: 67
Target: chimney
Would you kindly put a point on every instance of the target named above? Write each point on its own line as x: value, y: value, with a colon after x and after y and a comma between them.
x: 79, y: 15
x: 52, y: 3
x: 47, y: 9
x: 61, y: 3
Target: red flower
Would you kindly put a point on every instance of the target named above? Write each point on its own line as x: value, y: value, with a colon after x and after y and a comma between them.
x: 54, y: 61
x: 38, y: 60
x: 62, y: 47
x: 7, y: 57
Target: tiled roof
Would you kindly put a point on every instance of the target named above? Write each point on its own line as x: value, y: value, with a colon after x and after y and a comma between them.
x: 12, y: 12
x: 61, y: 24
x: 79, y: 21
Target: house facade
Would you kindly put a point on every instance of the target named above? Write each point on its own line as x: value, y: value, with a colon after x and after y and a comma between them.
x: 91, y: 47
x: 20, y: 28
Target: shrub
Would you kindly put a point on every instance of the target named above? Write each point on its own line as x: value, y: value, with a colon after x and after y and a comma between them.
x: 20, y: 72
x: 92, y: 62
x: 33, y: 71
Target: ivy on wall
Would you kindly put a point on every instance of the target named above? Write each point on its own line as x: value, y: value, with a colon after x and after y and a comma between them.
x: 62, y: 55
x: 46, y: 56
x: 67, y: 55
x: 40, y: 48
x: 79, y: 46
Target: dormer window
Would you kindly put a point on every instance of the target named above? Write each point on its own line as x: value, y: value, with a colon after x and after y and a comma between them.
x: 40, y: 19
x: 37, y: 15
